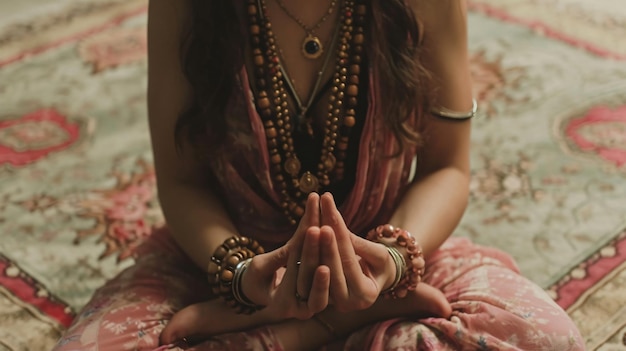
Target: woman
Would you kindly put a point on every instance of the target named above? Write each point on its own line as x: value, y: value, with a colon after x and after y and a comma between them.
x: 258, y: 106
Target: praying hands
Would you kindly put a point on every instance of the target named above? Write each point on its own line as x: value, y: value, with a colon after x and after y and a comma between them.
x: 324, y: 266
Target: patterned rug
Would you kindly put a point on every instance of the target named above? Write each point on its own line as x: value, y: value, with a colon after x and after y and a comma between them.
x: 78, y: 187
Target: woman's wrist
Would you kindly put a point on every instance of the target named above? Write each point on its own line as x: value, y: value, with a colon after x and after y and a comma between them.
x: 407, y: 257
x: 226, y: 270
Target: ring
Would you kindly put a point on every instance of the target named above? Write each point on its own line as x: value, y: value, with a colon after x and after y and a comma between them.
x: 300, y: 298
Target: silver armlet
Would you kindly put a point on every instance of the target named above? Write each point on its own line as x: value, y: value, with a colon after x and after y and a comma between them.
x: 454, y: 115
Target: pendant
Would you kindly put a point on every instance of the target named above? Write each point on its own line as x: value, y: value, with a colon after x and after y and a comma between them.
x: 292, y: 166
x: 312, y: 47
x: 308, y: 183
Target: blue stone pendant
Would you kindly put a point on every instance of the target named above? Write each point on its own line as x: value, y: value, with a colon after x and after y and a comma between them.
x: 312, y: 47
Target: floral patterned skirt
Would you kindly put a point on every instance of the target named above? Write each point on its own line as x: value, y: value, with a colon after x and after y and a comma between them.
x: 494, y: 308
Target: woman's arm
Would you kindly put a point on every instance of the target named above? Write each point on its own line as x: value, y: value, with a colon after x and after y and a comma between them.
x: 435, y: 203
x: 197, y: 220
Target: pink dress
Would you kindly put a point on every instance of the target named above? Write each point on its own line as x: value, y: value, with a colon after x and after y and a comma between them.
x: 494, y: 307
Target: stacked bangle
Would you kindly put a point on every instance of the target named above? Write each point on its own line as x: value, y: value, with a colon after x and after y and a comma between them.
x: 409, y: 271
x: 225, y: 272
x: 400, y: 263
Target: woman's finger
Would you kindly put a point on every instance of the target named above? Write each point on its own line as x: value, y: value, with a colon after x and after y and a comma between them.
x: 308, y: 262
x: 295, y: 244
x: 329, y: 256
x: 320, y: 290
x: 287, y: 293
x: 311, y: 215
x: 362, y: 290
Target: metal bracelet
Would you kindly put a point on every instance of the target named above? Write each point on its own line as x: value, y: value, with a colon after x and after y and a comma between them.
x: 459, y: 116
x: 400, y: 262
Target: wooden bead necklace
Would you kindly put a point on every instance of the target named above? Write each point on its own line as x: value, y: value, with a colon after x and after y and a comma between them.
x: 293, y: 183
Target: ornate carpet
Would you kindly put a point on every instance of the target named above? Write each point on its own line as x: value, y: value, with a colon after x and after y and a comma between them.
x: 77, y: 187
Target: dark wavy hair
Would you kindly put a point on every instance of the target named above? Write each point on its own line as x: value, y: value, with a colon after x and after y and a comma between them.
x: 212, y: 54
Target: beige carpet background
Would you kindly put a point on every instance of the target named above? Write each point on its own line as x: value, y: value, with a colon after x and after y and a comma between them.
x: 77, y: 184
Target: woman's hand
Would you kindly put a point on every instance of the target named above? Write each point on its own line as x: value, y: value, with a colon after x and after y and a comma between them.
x: 289, y: 281
x: 302, y: 288
x: 359, y: 269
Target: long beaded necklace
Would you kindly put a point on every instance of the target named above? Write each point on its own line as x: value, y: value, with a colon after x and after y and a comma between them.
x: 293, y: 183
x: 312, y: 47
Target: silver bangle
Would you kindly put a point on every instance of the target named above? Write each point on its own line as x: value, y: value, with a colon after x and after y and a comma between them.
x: 459, y: 116
x: 400, y: 262
x: 236, y: 287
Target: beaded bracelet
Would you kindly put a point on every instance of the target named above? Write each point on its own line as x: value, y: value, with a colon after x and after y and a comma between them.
x: 413, y: 269
x: 225, y: 272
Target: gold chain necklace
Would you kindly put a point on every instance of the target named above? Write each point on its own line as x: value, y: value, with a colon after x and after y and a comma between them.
x: 312, y: 47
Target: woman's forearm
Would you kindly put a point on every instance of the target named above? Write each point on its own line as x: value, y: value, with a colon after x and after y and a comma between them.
x: 197, y: 220
x: 433, y: 206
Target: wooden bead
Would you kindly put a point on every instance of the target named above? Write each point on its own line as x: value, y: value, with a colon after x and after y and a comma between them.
x: 220, y: 252
x: 271, y: 132
x: 353, y: 90
x: 264, y: 103
x: 349, y: 121
x: 275, y: 159
x: 355, y: 69
x: 358, y: 39
x: 231, y: 243
x: 233, y: 260
x: 259, y: 60
x: 226, y: 275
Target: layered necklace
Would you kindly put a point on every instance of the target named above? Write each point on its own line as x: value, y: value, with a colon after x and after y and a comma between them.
x: 292, y: 182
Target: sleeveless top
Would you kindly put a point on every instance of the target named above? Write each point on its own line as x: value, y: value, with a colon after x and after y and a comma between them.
x: 240, y: 170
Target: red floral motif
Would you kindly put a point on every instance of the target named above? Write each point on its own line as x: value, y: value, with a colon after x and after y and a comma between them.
x: 602, y: 131
x: 115, y: 48
x: 124, y: 215
x: 34, y: 136
x: 489, y: 78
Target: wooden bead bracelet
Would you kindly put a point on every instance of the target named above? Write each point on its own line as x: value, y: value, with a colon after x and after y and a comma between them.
x: 225, y: 272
